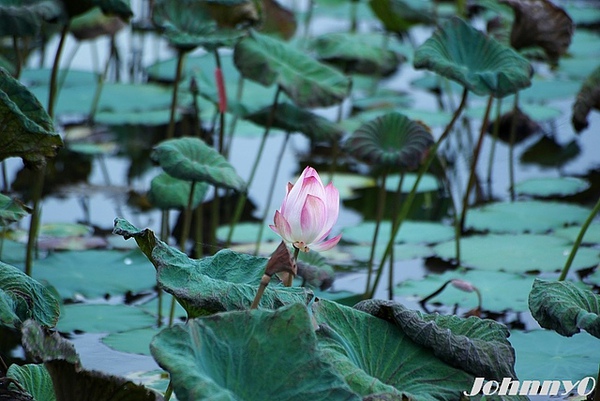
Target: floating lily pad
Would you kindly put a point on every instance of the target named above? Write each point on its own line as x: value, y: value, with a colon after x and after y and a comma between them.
x: 525, y: 216
x: 13, y: 252
x: 135, y: 341
x: 152, y: 307
x: 513, y: 296
x: 565, y: 308
x: 536, y: 112
x: 211, y: 358
x: 401, y: 251
x: 94, y: 274
x: 518, y: 253
x: 246, y: 233
x: 545, y: 90
x: 591, y: 236
x: 480, y: 63
x: 551, y: 186
x: 102, y: 318
x: 546, y: 355
x: 410, y: 232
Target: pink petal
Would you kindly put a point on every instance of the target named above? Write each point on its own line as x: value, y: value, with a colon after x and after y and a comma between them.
x: 323, y: 246
x: 282, y: 227
x: 312, y: 219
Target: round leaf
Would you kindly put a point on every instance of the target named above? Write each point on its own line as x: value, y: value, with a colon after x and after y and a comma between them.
x: 35, y: 379
x: 167, y: 192
x: 392, y: 140
x: 481, y: 64
x: 102, y: 318
x: 191, y: 159
x: 271, y: 61
x: 548, y: 186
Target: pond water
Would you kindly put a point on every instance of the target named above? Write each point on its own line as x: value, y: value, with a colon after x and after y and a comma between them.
x: 96, y: 202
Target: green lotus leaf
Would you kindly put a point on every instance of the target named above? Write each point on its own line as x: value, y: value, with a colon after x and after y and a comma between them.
x: 481, y: 64
x: 136, y: 341
x: 188, y: 24
x: 565, y: 308
x: 294, y: 119
x: 376, y: 357
x: 35, y: 379
x: 399, y: 15
x: 587, y: 99
x: 22, y: 298
x: 120, y: 8
x: 211, y: 358
x: 551, y: 186
x: 474, y: 345
x: 307, y: 82
x: 591, y: 236
x: 167, y: 192
x: 71, y: 381
x: 94, y: 24
x: 401, y: 251
x: 12, y: 210
x: 517, y: 253
x: 27, y: 130
x: 392, y: 140
x: 541, y: 23
x: 414, y: 232
x: 357, y: 53
x: 24, y: 18
x: 223, y: 282
x: 247, y: 232
x: 548, y: 152
x: 99, y: 318
x: 534, y: 216
x: 191, y: 159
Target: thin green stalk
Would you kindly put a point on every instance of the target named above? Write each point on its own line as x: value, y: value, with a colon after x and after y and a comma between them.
x: 168, y: 391
x: 511, y: 148
x: 244, y: 196
x: 495, y: 132
x: 381, y: 195
x: 307, y: 20
x: 214, y: 218
x: 353, y: 16
x: 234, y: 119
x: 199, y: 234
x: 395, y: 206
x: 164, y: 237
x: 473, y: 173
x: 289, y: 279
x: 98, y: 90
x: 577, y: 243
x: 18, y: 56
x: 270, y: 193
x: 411, y: 196
x: 178, y: 72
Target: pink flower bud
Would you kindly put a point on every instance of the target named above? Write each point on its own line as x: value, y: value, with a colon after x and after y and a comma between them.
x: 463, y: 285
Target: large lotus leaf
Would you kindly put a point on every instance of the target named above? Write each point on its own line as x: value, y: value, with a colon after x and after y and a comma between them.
x: 378, y: 358
x: 27, y: 130
x: 167, y: 192
x: 306, y: 81
x: 12, y: 210
x: 588, y: 98
x: 525, y: 216
x: 96, y: 273
x: 120, y: 8
x: 193, y: 160
x: 399, y: 15
x: 24, y: 18
x: 392, y: 140
x: 294, y: 119
x: 541, y: 23
x: 189, y: 23
x: 481, y: 64
x: 72, y: 382
x: 35, y: 379
x: 358, y: 53
x: 101, y: 318
x: 22, y: 298
x: 225, y: 281
x: 517, y: 253
x: 477, y: 346
x: 564, y: 307
x: 275, y: 357
x: 136, y: 341
x: 546, y: 355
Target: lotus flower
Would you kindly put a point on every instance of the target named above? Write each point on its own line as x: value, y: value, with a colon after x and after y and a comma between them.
x: 308, y: 212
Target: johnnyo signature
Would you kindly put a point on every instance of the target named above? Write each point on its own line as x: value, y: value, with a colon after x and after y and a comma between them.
x: 509, y: 386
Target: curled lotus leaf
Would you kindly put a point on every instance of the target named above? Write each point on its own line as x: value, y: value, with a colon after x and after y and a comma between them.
x: 191, y: 159
x: 541, y: 23
x: 24, y: 18
x: 481, y: 64
x: 306, y: 81
x: 391, y: 140
x: 587, y: 99
x: 27, y: 129
x: 565, y: 307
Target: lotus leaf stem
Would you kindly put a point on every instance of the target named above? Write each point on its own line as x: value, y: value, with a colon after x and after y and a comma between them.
x: 238, y: 97
x: 264, y: 282
x: 198, y: 233
x: 178, y: 73
x: 411, y: 196
x: 168, y: 391
x: 395, y: 206
x: 381, y: 195
x: 511, y: 148
x: 289, y: 278
x: 578, y: 240
x: 99, y: 87
x: 495, y: 131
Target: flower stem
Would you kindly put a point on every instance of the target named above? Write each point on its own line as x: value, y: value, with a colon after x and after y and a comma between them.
x: 290, y: 277
x: 378, y: 217
x: 511, y: 157
x: 586, y: 224
x: 411, y: 196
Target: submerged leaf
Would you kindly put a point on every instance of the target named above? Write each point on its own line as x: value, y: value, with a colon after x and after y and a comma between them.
x: 481, y: 64
x: 275, y: 357
x: 477, y: 346
x: 22, y: 298
x: 565, y: 308
x: 588, y: 98
x: 392, y: 140
x: 271, y: 61
x: 27, y: 130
